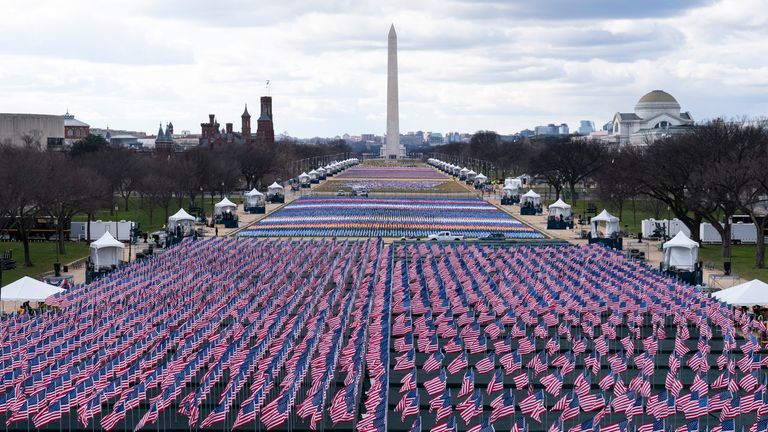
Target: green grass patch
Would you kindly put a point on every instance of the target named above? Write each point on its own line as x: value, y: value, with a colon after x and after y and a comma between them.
x: 139, y: 211
x: 43, y: 255
x: 742, y: 260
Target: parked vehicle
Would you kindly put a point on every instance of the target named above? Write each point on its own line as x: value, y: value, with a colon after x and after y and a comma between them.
x: 494, y: 236
x: 445, y: 236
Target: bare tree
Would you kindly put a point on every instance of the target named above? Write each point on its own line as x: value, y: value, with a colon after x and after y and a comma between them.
x: 573, y: 161
x: 23, y: 176
x: 68, y: 191
x: 723, y: 181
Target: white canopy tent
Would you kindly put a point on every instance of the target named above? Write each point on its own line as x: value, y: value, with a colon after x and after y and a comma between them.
x: 254, y: 198
x: 681, y: 252
x: 182, y: 219
x: 313, y: 175
x: 480, y: 179
x: 223, y: 206
x: 304, y: 178
x: 514, y: 182
x: 611, y: 224
x: 509, y: 191
x: 530, y: 197
x: 463, y: 171
x: 26, y: 289
x: 274, y: 188
x: 559, y: 208
x: 106, y: 251
x: 751, y: 293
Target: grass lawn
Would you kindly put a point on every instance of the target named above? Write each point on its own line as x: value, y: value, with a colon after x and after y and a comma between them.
x: 138, y: 213
x: 43, y: 256
x: 742, y: 259
x: 643, y: 209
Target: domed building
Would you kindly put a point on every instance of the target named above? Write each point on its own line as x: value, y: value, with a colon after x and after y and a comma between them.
x: 657, y: 114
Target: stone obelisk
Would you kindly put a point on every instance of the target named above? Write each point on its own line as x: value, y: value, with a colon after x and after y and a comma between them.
x: 392, y: 147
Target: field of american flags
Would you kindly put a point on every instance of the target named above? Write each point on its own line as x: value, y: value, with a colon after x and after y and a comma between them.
x: 388, y: 217
x: 299, y: 335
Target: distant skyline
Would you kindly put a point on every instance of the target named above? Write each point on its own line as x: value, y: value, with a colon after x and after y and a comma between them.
x: 464, y: 65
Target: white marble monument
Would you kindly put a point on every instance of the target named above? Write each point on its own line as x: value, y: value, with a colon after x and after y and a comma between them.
x: 392, y: 148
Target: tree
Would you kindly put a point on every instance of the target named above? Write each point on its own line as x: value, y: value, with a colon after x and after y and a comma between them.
x: 573, y: 161
x: 22, y: 177
x: 659, y: 174
x: 724, y: 182
x: 90, y: 144
x: 614, y: 183
x: 67, y: 192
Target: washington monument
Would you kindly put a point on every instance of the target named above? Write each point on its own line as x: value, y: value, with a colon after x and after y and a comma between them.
x: 392, y: 149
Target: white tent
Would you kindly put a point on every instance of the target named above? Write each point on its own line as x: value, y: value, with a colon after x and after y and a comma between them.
x: 681, y: 252
x: 751, y: 293
x: 530, y: 197
x: 509, y: 191
x: 463, y: 171
x: 513, y: 182
x: 254, y: 198
x: 274, y: 188
x: 480, y: 178
x: 611, y: 224
x: 106, y: 251
x: 321, y: 172
x: 222, y: 206
x: 304, y: 178
x: 28, y: 289
x: 559, y: 208
x: 183, y: 219
x: 313, y: 175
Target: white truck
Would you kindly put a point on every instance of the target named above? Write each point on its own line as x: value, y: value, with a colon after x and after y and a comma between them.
x: 445, y: 236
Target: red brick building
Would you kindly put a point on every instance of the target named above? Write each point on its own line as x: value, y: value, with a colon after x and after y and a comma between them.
x: 74, y: 130
x: 213, y: 137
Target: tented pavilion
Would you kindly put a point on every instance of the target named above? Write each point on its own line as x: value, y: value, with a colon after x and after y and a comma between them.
x: 225, y: 212
x: 26, y: 289
x: 305, y: 180
x: 275, y: 193
x: 106, y: 252
x: 560, y: 216
x: 681, y: 255
x: 754, y: 292
x: 255, y: 202
x: 480, y: 181
x: 181, y: 223
x: 606, y: 230
x: 530, y: 203
x: 510, y: 195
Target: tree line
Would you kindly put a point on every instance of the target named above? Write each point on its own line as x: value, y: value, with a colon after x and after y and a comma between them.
x: 93, y: 176
x: 716, y: 170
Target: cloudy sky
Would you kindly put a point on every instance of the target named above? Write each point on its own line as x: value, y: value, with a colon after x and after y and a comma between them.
x: 465, y: 65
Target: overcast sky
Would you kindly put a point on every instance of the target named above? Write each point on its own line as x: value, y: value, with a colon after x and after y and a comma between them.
x: 465, y: 65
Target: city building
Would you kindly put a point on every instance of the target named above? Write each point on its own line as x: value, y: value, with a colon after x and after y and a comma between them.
x: 586, y: 127
x: 36, y: 130
x: 164, y: 140
x: 656, y: 114
x: 213, y: 137
x: 265, y: 131
x: 74, y: 129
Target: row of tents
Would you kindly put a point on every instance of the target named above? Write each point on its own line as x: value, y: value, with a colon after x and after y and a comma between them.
x: 318, y: 174
x: 478, y: 180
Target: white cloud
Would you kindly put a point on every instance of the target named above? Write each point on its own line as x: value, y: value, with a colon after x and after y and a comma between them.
x: 464, y: 65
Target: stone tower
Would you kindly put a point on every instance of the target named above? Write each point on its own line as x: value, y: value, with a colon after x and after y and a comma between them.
x: 246, y: 125
x: 265, y: 132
